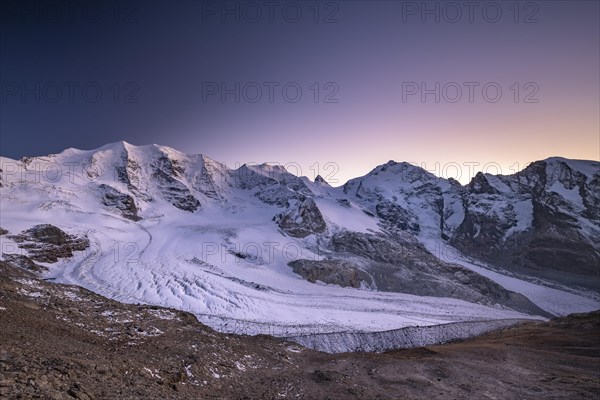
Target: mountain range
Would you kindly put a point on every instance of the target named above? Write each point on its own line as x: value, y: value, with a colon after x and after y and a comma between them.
x: 259, y: 250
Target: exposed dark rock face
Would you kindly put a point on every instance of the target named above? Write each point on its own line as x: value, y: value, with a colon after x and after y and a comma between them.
x: 320, y: 179
x: 170, y: 166
x: 47, y: 234
x: 487, y: 232
x: 276, y: 187
x: 379, y: 248
x: 560, y: 242
x: 175, y: 192
x: 344, y: 203
x: 283, y: 192
x: 301, y: 219
x: 3, y: 231
x: 24, y: 262
x: 111, y: 197
x: 591, y: 199
x: 211, y: 180
x: 47, y: 243
x: 128, y: 171
x: 337, y: 272
x: 480, y: 185
x: 247, y: 178
x: 394, y: 216
x: 401, y: 264
x: 279, y: 194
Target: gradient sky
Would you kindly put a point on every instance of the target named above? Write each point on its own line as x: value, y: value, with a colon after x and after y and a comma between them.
x: 165, y: 55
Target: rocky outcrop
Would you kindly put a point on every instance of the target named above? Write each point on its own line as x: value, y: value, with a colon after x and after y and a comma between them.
x: 302, y: 218
x: 173, y: 190
x: 271, y: 184
x: 24, y: 262
x: 337, y: 272
x: 111, y: 197
x: 321, y: 180
x: 212, y: 180
x: 394, y: 216
x: 47, y: 243
x: 480, y: 185
x: 128, y: 170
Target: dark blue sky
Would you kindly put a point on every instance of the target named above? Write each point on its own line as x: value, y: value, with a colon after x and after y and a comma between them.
x: 223, y: 79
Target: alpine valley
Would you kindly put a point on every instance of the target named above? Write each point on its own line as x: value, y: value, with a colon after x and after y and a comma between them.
x: 396, y: 258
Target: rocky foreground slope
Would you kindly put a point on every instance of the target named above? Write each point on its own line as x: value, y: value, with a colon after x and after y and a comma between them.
x: 64, y: 342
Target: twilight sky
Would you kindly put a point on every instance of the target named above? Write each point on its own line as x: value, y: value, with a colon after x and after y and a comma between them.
x: 337, y: 87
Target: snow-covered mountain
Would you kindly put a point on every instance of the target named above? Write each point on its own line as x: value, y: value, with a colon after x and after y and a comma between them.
x: 259, y: 250
x: 543, y: 221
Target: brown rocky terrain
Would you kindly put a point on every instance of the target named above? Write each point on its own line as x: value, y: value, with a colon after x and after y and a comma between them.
x: 64, y: 342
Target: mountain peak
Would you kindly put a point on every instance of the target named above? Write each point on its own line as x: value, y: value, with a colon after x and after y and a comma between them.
x: 587, y: 167
x: 479, y: 184
x: 265, y: 168
x: 403, y: 169
x: 120, y: 145
x: 320, y: 179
